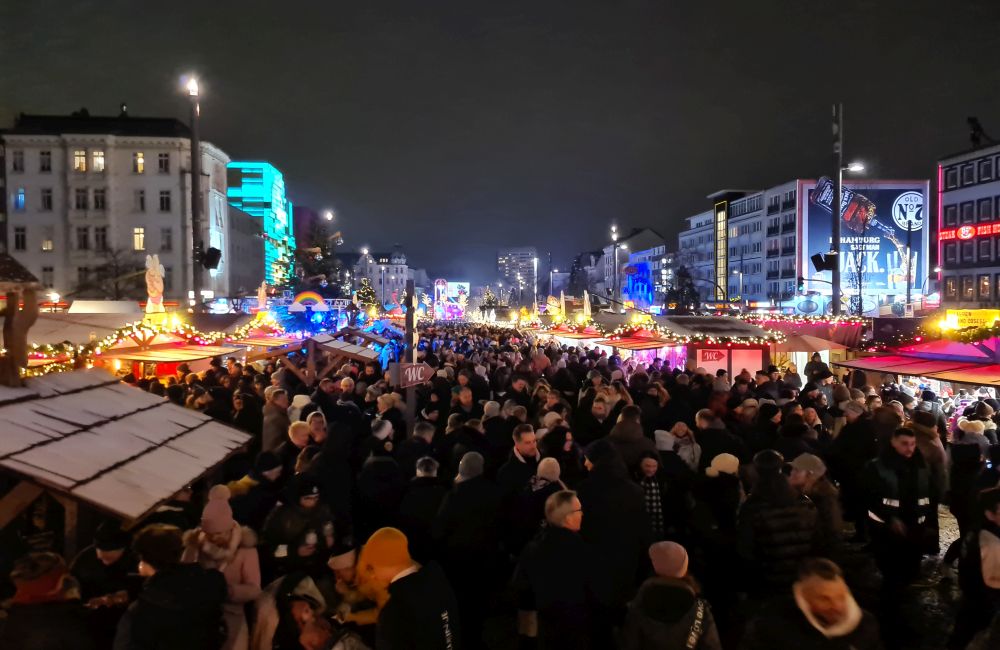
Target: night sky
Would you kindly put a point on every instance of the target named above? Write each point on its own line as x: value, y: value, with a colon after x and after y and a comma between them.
x: 456, y: 127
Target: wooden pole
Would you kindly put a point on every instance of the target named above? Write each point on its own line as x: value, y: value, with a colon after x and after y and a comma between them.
x: 410, y: 351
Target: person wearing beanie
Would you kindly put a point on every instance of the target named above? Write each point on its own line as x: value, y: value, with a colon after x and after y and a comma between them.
x: 254, y: 496
x: 723, y: 464
x: 45, y: 611
x: 379, y: 444
x: 299, y: 533
x: 554, y: 579
x: 104, y: 571
x: 467, y: 531
x: 180, y: 605
x: 808, y: 477
x: 617, y: 528
x: 421, y: 611
x: 776, y: 529
x: 220, y: 543
x: 667, y: 611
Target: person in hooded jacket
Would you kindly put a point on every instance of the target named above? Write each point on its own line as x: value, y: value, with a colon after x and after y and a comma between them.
x: 668, y: 612
x: 617, y: 528
x: 821, y: 615
x: 45, y: 612
x: 180, y: 606
x: 104, y: 572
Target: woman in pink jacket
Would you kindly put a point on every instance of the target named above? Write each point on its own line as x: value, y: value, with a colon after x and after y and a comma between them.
x: 221, y: 543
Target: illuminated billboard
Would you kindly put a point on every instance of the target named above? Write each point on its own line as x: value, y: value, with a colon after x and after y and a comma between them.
x: 458, y: 289
x: 881, y: 222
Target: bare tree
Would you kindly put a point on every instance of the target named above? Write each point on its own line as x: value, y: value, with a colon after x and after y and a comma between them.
x: 118, y: 277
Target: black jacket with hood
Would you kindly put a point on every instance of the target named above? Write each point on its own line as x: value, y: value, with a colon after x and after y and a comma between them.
x: 665, y: 614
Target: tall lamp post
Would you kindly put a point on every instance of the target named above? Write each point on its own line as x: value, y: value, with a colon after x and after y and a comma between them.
x: 534, y: 282
x: 382, y: 284
x: 739, y: 272
x: 551, y: 271
x: 838, y: 194
x: 193, y: 94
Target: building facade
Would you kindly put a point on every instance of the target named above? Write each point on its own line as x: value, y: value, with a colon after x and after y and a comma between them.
x: 616, y: 259
x: 246, y: 244
x: 754, y: 246
x: 387, y: 272
x: 86, y: 194
x: 518, y: 268
x: 258, y: 189
x: 969, y: 228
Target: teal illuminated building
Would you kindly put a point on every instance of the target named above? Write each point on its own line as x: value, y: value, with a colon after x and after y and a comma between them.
x: 258, y: 189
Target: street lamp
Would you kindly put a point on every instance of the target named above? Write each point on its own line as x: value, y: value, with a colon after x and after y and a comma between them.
x: 328, y: 215
x: 534, y: 281
x: 739, y: 272
x: 382, y: 284
x: 193, y: 92
x: 854, y: 168
x: 551, y: 271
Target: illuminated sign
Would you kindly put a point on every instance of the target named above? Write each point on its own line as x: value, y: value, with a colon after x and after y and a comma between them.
x: 962, y: 318
x: 721, y: 249
x: 969, y: 232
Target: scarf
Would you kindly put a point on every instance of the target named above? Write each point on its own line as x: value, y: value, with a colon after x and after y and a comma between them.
x: 842, y: 628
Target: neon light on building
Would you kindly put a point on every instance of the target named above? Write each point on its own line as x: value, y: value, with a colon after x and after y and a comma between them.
x: 970, y: 232
x: 258, y: 189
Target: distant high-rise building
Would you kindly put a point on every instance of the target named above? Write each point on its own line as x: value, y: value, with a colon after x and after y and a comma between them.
x: 258, y: 188
x: 517, y: 268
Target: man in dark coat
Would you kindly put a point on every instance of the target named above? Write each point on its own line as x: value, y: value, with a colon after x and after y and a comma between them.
x: 514, y: 475
x: 593, y: 423
x: 420, y: 505
x: 629, y: 438
x: 467, y: 408
x: 554, y: 579
x: 105, y: 572
x: 255, y: 495
x: 714, y: 439
x: 849, y: 453
x: 617, y: 528
x: 823, y: 614
x: 275, y: 418
x: 180, y: 605
x: 466, y: 528
x: 45, y: 613
x: 422, y: 611
x: 420, y: 444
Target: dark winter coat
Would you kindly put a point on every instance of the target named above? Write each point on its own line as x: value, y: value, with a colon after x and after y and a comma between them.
x: 380, y: 491
x: 466, y: 524
x: 664, y: 614
x: 586, y: 428
x: 97, y: 579
x: 275, y: 429
x: 783, y: 625
x: 719, y: 441
x: 409, y: 452
x: 554, y: 577
x: 421, y: 614
x: 179, y: 607
x: 514, y: 475
x: 499, y: 433
x: 48, y: 626
x: 631, y: 442
x: 615, y: 524
x: 416, y: 514
x: 253, y: 498
x: 774, y: 539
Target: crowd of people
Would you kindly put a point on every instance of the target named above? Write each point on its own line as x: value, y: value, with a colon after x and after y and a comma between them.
x: 544, y: 497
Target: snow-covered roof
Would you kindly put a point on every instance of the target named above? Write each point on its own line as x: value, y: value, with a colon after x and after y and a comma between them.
x: 93, y: 438
x: 341, y: 348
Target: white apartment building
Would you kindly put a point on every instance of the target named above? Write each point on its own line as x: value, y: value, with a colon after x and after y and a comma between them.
x: 387, y: 273
x: 696, y: 252
x: 83, y: 189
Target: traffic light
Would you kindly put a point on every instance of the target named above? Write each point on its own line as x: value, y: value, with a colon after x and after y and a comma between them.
x: 802, y: 284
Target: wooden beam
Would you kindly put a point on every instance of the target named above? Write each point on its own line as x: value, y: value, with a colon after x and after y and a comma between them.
x: 15, y: 501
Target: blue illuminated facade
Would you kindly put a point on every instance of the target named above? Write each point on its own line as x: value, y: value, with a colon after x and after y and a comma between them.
x: 258, y: 188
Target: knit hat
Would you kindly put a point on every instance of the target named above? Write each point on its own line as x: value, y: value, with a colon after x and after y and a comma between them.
x: 670, y: 560
x: 723, y: 464
x: 749, y: 403
x: 972, y: 426
x: 343, y: 560
x: 854, y: 408
x: 471, y: 465
x: 266, y: 461
x: 217, y: 516
x: 109, y: 536
x: 300, y: 401
x: 306, y: 486
x: 548, y: 469
x: 809, y: 463
x: 386, y: 547
x: 617, y: 375
x: 928, y: 396
x: 809, y: 387
x: 768, y: 461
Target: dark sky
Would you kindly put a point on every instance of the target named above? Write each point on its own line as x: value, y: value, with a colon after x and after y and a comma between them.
x: 453, y: 127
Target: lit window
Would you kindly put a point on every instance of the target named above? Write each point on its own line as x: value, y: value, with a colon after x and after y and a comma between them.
x: 98, y: 161
x: 19, y: 199
x: 138, y: 162
x: 139, y: 239
x: 80, y: 160
x: 48, y: 234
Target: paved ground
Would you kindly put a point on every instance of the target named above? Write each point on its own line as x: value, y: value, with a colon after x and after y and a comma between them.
x: 934, y: 604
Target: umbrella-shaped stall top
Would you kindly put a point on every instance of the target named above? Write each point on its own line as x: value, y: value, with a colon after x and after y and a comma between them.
x: 806, y: 343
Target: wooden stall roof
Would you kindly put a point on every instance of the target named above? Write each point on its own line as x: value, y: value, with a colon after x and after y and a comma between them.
x: 636, y: 343
x: 175, y: 354
x: 92, y: 438
x: 370, y: 337
x: 341, y: 348
x: 900, y: 365
x: 266, y: 341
